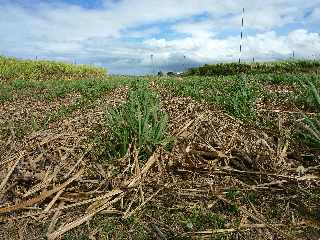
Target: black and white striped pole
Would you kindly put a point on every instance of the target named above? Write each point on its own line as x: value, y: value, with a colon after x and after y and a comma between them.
x: 241, y: 37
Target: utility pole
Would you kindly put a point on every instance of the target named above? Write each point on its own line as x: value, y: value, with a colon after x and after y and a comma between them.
x: 241, y: 36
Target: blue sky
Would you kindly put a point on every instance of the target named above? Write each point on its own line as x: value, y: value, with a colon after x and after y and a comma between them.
x: 122, y: 34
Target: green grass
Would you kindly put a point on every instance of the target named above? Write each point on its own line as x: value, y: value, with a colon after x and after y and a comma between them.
x: 14, y: 69
x: 241, y: 100
x: 139, y: 122
x: 310, y: 131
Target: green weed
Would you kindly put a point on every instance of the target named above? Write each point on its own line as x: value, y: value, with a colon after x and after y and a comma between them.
x: 240, y: 100
x: 114, y: 228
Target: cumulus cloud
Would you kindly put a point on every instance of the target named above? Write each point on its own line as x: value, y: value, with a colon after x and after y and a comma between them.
x: 121, y: 35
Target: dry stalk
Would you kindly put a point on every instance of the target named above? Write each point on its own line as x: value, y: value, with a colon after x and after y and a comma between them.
x: 54, y: 220
x: 5, y: 180
x: 136, y: 180
x: 53, y: 201
x: 127, y: 215
x: 81, y: 220
x: 42, y: 196
x: 78, y: 162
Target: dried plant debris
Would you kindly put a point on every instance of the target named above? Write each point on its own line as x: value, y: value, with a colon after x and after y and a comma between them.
x: 221, y: 179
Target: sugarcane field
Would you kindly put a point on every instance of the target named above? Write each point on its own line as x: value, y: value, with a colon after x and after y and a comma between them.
x: 138, y: 157
x: 154, y: 136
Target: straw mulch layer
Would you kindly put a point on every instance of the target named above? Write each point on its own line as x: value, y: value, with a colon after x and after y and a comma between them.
x: 51, y: 182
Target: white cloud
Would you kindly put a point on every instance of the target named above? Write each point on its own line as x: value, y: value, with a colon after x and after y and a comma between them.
x: 265, y: 46
x: 96, y: 35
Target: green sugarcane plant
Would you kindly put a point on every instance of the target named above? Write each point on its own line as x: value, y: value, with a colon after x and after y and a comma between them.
x: 139, y: 122
x: 311, y: 125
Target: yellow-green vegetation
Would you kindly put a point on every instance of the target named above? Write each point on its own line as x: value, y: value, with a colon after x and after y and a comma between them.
x: 225, y: 69
x: 14, y: 69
